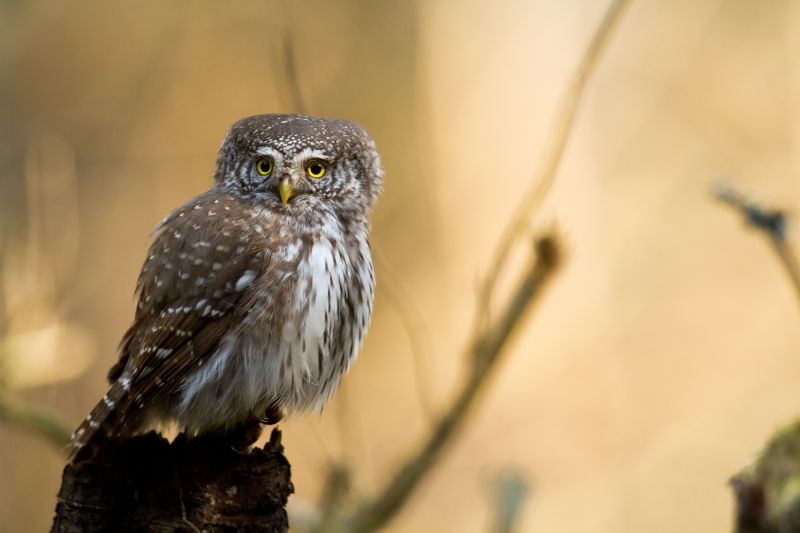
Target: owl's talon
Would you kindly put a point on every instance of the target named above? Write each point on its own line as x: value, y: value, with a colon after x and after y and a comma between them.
x: 239, y: 438
x: 271, y: 416
x: 240, y: 451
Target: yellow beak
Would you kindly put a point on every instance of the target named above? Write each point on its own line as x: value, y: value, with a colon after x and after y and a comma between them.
x: 285, y: 190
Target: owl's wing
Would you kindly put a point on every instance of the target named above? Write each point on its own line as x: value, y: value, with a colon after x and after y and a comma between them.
x: 200, y: 268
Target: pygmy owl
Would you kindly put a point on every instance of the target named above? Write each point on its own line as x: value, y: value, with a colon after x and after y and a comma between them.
x: 255, y: 296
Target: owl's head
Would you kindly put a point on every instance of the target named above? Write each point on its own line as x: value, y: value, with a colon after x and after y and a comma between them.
x: 297, y: 160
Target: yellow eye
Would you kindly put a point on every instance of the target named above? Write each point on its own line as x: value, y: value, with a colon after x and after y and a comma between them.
x: 264, y: 166
x: 316, y: 168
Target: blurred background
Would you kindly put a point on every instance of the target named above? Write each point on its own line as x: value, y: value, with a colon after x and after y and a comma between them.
x: 664, y: 354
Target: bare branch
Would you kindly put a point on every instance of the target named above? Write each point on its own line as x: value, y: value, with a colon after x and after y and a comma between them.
x: 485, y: 351
x: 292, y: 80
x: 772, y: 222
x: 489, y: 339
x: 33, y: 418
x: 544, y: 177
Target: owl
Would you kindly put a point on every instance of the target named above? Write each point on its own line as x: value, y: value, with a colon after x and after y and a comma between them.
x: 255, y: 296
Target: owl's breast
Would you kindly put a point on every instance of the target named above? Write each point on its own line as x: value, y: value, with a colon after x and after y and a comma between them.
x: 302, y: 333
x: 320, y: 293
x: 330, y: 312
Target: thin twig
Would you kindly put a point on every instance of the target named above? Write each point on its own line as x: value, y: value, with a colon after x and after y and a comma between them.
x: 485, y: 351
x: 772, y: 222
x: 546, y: 174
x: 33, y: 418
x: 292, y: 80
x: 413, y: 323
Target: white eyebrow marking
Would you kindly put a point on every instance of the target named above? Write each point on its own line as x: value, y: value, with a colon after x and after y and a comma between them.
x: 268, y: 150
x: 310, y: 153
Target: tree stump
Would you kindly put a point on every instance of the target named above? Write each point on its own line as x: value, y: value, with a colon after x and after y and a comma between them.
x: 189, y: 485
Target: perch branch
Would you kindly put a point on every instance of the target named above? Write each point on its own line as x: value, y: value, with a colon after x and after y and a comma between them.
x: 190, y: 484
x: 33, y: 418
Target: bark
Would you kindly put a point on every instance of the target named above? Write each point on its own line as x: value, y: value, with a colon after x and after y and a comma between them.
x: 189, y: 485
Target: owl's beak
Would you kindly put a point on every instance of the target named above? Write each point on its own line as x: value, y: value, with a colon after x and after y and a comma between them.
x: 285, y: 189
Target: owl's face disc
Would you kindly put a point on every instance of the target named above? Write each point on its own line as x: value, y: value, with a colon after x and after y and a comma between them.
x: 299, y: 161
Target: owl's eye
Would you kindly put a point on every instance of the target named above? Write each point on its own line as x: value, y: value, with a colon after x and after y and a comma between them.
x: 316, y: 168
x: 264, y: 166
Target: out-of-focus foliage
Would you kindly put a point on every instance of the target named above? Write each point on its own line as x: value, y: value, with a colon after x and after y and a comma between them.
x: 39, y: 345
x: 768, y: 492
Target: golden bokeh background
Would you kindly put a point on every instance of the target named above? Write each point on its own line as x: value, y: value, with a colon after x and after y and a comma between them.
x: 664, y: 354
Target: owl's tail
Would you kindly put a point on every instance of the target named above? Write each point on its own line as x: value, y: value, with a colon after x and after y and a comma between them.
x: 99, y: 426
